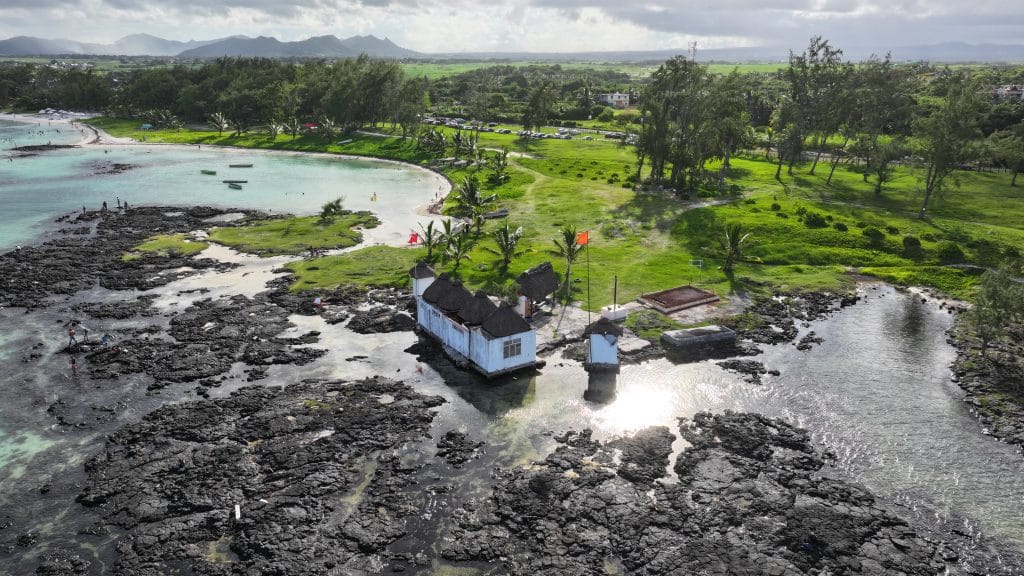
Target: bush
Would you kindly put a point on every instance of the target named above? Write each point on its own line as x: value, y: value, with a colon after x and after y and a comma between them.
x: 606, y: 115
x: 776, y: 207
x: 801, y: 211
x: 840, y: 226
x: 892, y: 230
x: 873, y: 234
x: 861, y: 224
x: 1011, y: 253
x: 815, y: 220
x: 950, y: 253
x: 929, y: 237
x: 911, y: 244
x: 782, y: 215
x: 750, y: 201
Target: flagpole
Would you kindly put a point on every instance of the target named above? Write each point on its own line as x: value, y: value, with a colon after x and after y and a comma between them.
x: 588, y: 281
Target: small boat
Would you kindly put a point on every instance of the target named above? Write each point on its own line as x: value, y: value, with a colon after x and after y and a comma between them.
x: 235, y: 181
x: 209, y: 172
x: 234, y: 186
x: 239, y: 165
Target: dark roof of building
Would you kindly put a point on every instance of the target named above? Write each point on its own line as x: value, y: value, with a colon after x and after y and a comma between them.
x: 603, y: 326
x: 505, y: 321
x: 421, y: 270
x: 538, y: 282
x: 477, y: 309
x: 454, y: 298
x: 435, y: 291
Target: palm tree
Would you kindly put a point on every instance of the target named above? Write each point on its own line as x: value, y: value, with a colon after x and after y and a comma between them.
x: 471, y: 202
x: 293, y: 127
x: 458, y: 249
x: 274, y: 128
x: 567, y: 248
x: 331, y: 210
x: 431, y: 237
x: 732, y: 242
x: 507, y: 241
x: 327, y: 126
x: 219, y: 122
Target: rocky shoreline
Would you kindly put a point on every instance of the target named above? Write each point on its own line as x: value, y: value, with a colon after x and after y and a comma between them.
x: 317, y: 469
x: 993, y: 381
x: 750, y: 499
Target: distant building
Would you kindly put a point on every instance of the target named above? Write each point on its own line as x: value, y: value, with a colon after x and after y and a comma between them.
x: 615, y: 99
x: 602, y: 346
x: 1009, y: 92
x: 471, y: 328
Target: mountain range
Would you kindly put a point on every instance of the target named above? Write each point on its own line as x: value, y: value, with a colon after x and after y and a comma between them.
x: 148, y: 45
x: 333, y: 47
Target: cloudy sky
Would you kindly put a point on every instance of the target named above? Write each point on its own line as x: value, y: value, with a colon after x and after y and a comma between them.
x: 532, y: 25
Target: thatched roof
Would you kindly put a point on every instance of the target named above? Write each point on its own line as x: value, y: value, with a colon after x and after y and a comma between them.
x: 435, y: 291
x: 477, y: 309
x: 505, y: 321
x: 454, y: 298
x: 538, y: 282
x: 603, y: 326
x: 421, y: 270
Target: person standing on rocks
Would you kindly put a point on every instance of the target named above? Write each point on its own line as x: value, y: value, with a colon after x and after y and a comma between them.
x: 71, y: 337
x: 318, y: 304
x: 74, y: 364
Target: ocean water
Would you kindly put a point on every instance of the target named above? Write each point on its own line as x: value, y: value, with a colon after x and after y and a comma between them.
x: 36, y: 189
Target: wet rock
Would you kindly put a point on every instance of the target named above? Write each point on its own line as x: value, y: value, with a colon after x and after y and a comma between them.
x: 70, y: 263
x: 209, y: 337
x: 61, y: 562
x: 751, y: 370
x: 749, y: 501
x: 122, y: 310
x: 311, y: 467
x: 457, y: 449
x: 808, y: 341
x: 644, y: 454
x: 381, y: 319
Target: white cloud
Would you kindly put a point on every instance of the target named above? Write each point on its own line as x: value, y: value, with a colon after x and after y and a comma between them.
x: 530, y: 25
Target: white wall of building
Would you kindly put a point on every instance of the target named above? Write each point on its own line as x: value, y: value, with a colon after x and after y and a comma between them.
x: 488, y: 354
x: 603, y: 349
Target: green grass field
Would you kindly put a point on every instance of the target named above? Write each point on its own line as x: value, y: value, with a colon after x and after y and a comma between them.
x: 166, y: 244
x: 804, y: 234
x: 295, y: 235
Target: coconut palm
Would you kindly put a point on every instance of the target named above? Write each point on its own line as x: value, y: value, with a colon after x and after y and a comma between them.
x: 507, y: 241
x: 293, y: 127
x: 567, y: 248
x: 732, y: 242
x: 219, y: 122
x: 331, y: 210
x: 327, y: 127
x: 470, y: 201
x: 432, y: 237
x: 458, y: 249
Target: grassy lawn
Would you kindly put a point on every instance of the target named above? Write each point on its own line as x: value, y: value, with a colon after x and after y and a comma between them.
x: 805, y: 234
x: 164, y: 245
x: 295, y: 235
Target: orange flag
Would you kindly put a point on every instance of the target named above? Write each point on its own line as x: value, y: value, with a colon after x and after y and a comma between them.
x: 583, y: 238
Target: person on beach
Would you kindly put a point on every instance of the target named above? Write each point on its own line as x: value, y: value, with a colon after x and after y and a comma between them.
x: 105, y: 340
x: 85, y: 333
x: 104, y: 205
x: 118, y: 201
x: 71, y: 337
x: 74, y: 364
x: 318, y: 303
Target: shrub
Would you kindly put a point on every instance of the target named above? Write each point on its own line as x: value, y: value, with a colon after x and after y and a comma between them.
x: 929, y: 237
x: 829, y: 217
x: 1011, y: 252
x: 892, y: 230
x: 801, y: 211
x: 840, y: 226
x: 950, y: 253
x: 750, y: 201
x: 776, y: 207
x: 815, y: 220
x: 782, y: 215
x: 911, y: 244
x: 861, y: 224
x: 873, y: 234
x: 606, y: 115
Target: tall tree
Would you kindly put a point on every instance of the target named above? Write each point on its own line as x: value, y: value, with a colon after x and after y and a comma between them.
x: 948, y: 136
x: 539, y: 105
x: 567, y: 249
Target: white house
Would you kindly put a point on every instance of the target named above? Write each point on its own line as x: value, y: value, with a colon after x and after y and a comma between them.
x: 602, y: 346
x: 491, y: 339
x: 616, y: 99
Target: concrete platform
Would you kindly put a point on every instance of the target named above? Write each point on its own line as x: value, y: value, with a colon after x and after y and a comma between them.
x: 698, y: 337
x: 675, y: 299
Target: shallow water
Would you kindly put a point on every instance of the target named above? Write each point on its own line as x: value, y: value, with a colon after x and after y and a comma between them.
x: 34, y: 189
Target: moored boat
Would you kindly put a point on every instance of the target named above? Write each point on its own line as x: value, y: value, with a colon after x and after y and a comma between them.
x: 209, y: 172
x: 239, y: 165
x: 234, y: 186
x: 235, y: 181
